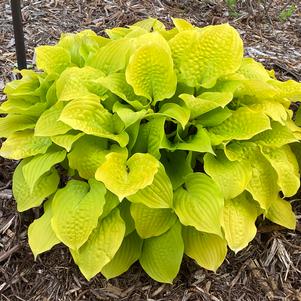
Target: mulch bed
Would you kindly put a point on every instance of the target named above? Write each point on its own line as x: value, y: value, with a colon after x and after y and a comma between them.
x: 268, y: 269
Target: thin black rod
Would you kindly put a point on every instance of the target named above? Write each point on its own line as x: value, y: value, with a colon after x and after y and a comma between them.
x: 19, y: 34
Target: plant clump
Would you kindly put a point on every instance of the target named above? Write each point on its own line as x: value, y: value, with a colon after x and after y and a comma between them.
x: 149, y: 145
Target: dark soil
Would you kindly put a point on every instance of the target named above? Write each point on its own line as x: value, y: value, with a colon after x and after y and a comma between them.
x: 268, y: 269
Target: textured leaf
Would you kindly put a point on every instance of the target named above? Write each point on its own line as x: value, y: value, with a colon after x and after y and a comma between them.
x: 52, y: 59
x: 158, y: 194
x: 90, y: 117
x: 125, y: 177
x: 127, y: 115
x: 253, y: 70
x: 201, y: 57
x: 263, y: 183
x: 151, y: 222
x: 197, y: 142
x: 24, y: 144
x: 176, y: 112
x: 101, y: 246
x: 208, y: 250
x: 126, y: 255
x: 49, y: 125
x: 277, y: 136
x: 39, y: 165
x: 113, y: 57
x: 13, y: 123
x: 205, y: 102
x: 214, y: 117
x: 44, y: 187
x: 162, y: 255
x: 76, y: 209
x: 76, y: 82
x: 239, y: 218
x: 243, y: 124
x: 177, y: 166
x: 200, y: 203
x: 282, y: 214
x: 150, y: 72
x: 66, y: 140
x: 118, y: 85
x: 41, y: 237
x: 286, y: 166
x: 231, y: 176
x: 150, y: 137
x: 87, y: 154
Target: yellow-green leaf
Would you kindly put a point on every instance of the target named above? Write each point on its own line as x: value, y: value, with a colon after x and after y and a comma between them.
x: 125, y: 177
x: 44, y: 187
x: 162, y: 255
x: 239, y: 216
x: 202, y: 56
x: 150, y: 71
x: 158, y: 194
x: 281, y: 213
x: 126, y: 255
x: 151, y: 222
x: 41, y: 237
x: 87, y: 154
x: 200, y: 203
x: 76, y: 209
x: 101, y: 246
x: 231, y: 176
x: 24, y: 144
x: 208, y: 250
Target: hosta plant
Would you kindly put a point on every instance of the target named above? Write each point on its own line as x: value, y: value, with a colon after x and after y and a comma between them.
x: 151, y: 144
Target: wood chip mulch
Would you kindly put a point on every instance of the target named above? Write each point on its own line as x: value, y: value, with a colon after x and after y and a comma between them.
x: 268, y: 269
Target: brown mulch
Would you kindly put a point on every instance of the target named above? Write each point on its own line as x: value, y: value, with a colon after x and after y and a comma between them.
x: 268, y: 269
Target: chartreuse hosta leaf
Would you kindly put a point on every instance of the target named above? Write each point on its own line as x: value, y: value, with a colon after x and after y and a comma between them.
x: 277, y: 136
x: 253, y: 70
x: 52, y: 59
x: 127, y: 254
x: 182, y: 24
x: 101, y: 246
x: 150, y: 137
x: 205, y: 102
x: 150, y: 72
x: 263, y: 183
x: 41, y: 237
x: 27, y: 198
x: 197, y: 142
x: 40, y: 164
x: 66, y: 140
x: 87, y: 154
x: 162, y: 255
x: 239, y: 216
x: 151, y: 222
x: 286, y: 166
x: 176, y: 172
x: 201, y: 57
x: 158, y: 194
x: 200, y: 203
x: 79, y: 82
x: 49, y: 124
x: 243, y: 124
x: 124, y: 177
x: 89, y: 116
x: 281, y: 213
x: 231, y: 176
x: 208, y: 250
x: 76, y: 209
x: 24, y: 144
x: 13, y: 123
x: 125, y: 213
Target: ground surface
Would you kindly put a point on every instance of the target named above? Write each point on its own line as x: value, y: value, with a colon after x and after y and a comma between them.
x: 269, y: 269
